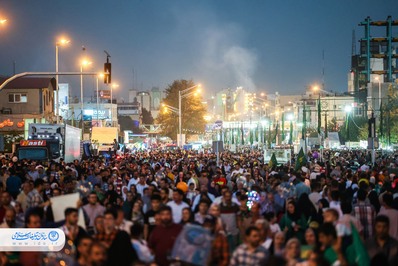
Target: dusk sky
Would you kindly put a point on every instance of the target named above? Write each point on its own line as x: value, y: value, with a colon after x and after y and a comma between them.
x: 258, y: 44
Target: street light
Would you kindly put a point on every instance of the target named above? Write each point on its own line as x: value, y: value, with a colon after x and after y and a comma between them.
x: 99, y: 76
x: 60, y: 42
x: 183, y: 94
x: 83, y: 63
x: 348, y: 109
x: 3, y: 21
x: 113, y: 86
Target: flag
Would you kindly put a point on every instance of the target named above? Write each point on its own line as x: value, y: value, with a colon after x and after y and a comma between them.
x: 381, y: 120
x: 326, y: 125
x: 319, y: 115
x: 301, y: 159
x: 291, y: 133
x: 242, y: 141
x: 276, y: 133
x: 273, y: 162
x: 356, y: 253
x: 304, y: 130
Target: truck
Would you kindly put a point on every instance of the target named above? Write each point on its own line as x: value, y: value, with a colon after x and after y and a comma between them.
x: 46, y: 142
x: 103, y: 138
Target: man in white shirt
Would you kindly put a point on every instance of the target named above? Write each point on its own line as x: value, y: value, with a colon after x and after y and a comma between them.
x: 141, y: 185
x: 133, y: 181
x: 177, y: 205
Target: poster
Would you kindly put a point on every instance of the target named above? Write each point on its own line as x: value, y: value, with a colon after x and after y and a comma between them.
x: 192, y: 245
x: 60, y: 203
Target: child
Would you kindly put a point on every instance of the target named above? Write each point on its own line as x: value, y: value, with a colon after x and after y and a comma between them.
x: 273, y: 222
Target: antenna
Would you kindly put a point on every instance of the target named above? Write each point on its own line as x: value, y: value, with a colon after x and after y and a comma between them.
x: 107, y: 56
x: 323, y: 69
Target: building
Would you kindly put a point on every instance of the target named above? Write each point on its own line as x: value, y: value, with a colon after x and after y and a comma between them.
x: 374, y: 67
x: 150, y: 100
x: 24, y: 101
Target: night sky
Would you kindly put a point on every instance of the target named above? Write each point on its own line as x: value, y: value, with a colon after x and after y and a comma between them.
x: 258, y: 44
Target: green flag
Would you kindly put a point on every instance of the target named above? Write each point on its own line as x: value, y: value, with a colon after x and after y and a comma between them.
x: 291, y: 133
x: 304, y: 130
x: 319, y: 116
x: 356, y: 253
x: 242, y: 140
x: 273, y: 162
x: 326, y: 125
x: 381, y: 120
x: 301, y: 159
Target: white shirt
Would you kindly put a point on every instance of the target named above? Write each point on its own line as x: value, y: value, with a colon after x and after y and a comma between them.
x: 219, y: 199
x: 177, y: 210
x: 125, y: 226
x: 140, y: 188
x: 132, y: 181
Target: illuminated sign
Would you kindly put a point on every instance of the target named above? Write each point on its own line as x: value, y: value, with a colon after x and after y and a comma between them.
x: 102, y: 114
x: 104, y: 94
x: 33, y: 143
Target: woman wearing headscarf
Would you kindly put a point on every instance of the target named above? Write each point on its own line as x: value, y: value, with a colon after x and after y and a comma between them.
x: 293, y: 223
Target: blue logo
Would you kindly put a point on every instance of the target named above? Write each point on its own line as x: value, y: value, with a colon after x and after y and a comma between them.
x: 53, y: 235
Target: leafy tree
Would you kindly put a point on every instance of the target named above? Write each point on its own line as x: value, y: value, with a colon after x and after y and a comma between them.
x: 147, y: 118
x: 192, y: 111
x: 351, y: 131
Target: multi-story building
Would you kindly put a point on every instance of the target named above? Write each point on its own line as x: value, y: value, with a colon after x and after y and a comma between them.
x: 24, y: 101
x: 374, y: 68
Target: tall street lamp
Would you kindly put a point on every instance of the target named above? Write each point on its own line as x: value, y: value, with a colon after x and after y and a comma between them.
x: 99, y: 76
x: 183, y: 94
x: 348, y: 109
x: 59, y: 43
x: 83, y: 63
x: 113, y: 86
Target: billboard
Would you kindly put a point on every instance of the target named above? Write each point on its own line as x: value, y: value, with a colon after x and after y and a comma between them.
x: 104, y: 94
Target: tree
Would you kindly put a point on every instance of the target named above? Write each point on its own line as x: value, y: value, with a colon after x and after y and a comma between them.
x: 147, y: 118
x: 351, y: 130
x: 192, y: 110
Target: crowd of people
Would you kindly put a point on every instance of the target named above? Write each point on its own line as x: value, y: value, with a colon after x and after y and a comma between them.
x: 338, y: 211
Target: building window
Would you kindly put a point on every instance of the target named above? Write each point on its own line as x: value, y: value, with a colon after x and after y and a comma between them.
x: 17, y: 98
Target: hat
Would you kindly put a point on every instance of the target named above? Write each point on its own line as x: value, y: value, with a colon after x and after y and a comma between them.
x: 210, y: 219
x: 54, y: 185
x: 39, y: 166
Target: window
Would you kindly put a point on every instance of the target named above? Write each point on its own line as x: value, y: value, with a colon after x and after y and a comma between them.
x: 17, y: 98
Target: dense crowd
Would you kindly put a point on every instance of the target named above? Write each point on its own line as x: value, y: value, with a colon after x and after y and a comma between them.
x: 338, y: 211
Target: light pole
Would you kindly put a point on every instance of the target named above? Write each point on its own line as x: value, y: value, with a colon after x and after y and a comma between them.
x: 183, y: 94
x: 348, y: 109
x: 101, y: 75
x: 379, y: 81
x: 84, y: 62
x: 113, y: 86
x: 60, y: 42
